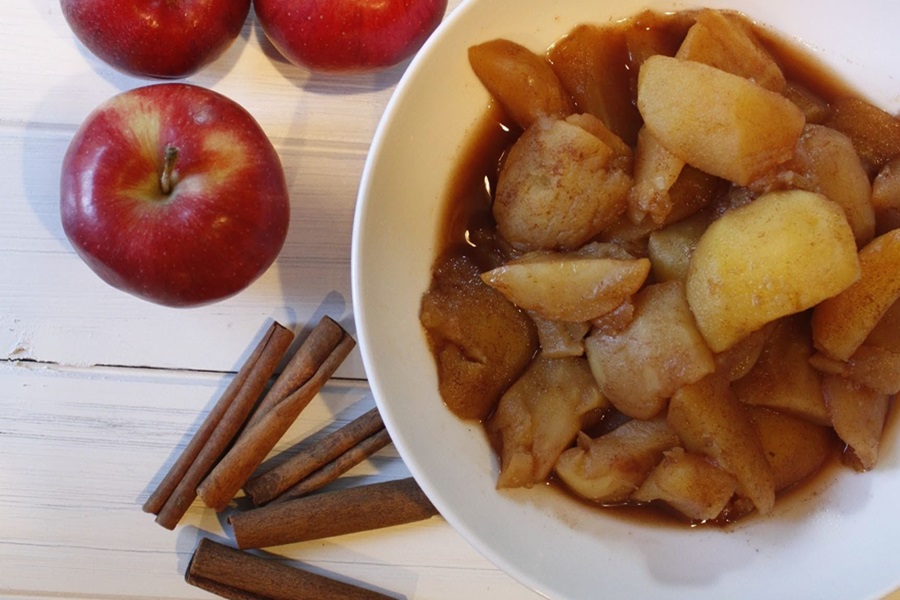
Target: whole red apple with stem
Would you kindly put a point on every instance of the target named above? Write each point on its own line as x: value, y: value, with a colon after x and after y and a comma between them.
x: 174, y: 193
x: 348, y: 35
x: 157, y: 38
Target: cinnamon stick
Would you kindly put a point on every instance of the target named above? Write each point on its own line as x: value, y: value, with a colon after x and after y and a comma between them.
x: 257, y: 440
x: 277, y: 480
x: 328, y: 514
x: 302, y: 366
x: 231, y: 573
x: 177, y: 490
x: 337, y: 467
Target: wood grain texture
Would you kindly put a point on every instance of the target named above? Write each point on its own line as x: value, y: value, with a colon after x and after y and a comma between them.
x: 81, y: 448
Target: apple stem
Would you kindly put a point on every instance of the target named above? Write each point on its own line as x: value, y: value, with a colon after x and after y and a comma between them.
x: 166, y: 180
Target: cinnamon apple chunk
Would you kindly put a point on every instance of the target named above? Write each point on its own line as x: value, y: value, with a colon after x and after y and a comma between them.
x: 480, y: 340
x: 886, y: 197
x: 875, y: 132
x: 781, y: 254
x: 876, y: 363
x: 842, y: 323
x: 670, y: 248
x: 590, y: 64
x: 560, y: 186
x: 690, y: 483
x: 522, y: 81
x: 572, y: 287
x: 721, y: 123
x: 539, y: 416
x: 834, y: 169
x: 639, y: 367
x: 710, y: 420
x: 876, y: 368
x: 825, y: 161
x: 655, y: 172
x: 611, y: 467
x: 723, y: 40
x: 783, y: 378
x: 795, y: 448
x: 858, y: 415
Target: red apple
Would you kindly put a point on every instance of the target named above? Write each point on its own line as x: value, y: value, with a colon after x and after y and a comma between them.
x: 157, y: 38
x: 173, y: 192
x: 348, y: 35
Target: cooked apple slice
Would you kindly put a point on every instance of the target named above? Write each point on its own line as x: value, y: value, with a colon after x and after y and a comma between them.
x: 875, y: 133
x: 641, y: 366
x: 783, y: 378
x: 559, y: 187
x: 539, y: 417
x: 842, y: 323
x: 811, y: 104
x: 655, y: 171
x: 690, y: 483
x: 723, y: 41
x: 480, y: 340
x: 522, y: 81
x: 738, y: 360
x: 886, y: 333
x: 709, y: 420
x: 858, y: 415
x: 781, y: 254
x: 795, y: 448
x: 670, y: 248
x: 886, y: 197
x: 827, y: 163
x: 611, y: 467
x: 591, y: 65
x: 876, y: 368
x: 720, y: 123
x: 570, y: 287
x: 560, y: 339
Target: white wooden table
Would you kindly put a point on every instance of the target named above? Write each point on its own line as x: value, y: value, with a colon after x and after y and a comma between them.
x: 99, y: 391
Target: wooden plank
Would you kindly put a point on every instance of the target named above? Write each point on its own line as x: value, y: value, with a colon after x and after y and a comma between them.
x: 80, y: 450
x: 54, y: 309
x: 55, y: 80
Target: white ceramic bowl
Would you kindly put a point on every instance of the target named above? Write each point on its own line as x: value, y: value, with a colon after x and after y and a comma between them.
x: 841, y: 540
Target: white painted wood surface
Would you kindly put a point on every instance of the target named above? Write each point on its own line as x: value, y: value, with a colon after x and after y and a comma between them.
x: 99, y: 391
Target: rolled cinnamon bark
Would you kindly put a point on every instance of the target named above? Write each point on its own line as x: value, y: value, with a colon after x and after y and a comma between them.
x: 329, y: 514
x: 258, y: 439
x: 237, y: 575
x: 343, y: 463
x: 274, y: 482
x: 178, y: 489
x: 314, y: 351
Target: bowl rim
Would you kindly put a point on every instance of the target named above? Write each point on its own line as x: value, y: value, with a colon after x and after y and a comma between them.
x: 529, y: 577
